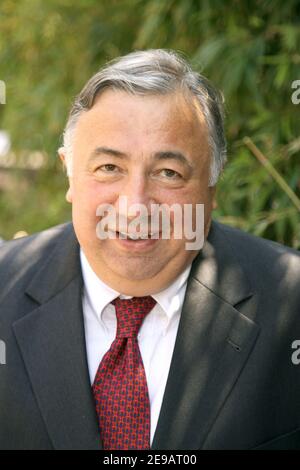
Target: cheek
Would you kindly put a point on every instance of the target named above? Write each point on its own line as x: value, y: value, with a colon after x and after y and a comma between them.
x: 191, y: 195
x: 86, y: 199
x: 88, y: 195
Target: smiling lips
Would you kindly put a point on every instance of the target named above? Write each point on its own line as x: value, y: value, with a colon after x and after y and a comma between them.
x: 135, y: 242
x: 137, y: 236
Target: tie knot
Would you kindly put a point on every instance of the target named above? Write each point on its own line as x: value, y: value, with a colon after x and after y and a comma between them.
x: 131, y: 313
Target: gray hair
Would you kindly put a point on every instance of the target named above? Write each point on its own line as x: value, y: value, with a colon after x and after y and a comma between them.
x: 155, y: 71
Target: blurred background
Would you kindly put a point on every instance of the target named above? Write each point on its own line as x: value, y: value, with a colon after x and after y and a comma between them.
x: 250, y: 50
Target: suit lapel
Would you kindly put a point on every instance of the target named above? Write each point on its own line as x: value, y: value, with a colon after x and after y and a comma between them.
x: 52, y: 343
x: 213, y: 343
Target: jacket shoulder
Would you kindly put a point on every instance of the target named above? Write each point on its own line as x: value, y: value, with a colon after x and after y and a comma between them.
x: 259, y: 254
x: 243, y: 237
x: 19, y: 257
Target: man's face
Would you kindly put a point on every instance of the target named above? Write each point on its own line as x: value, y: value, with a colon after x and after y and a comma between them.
x: 151, y: 150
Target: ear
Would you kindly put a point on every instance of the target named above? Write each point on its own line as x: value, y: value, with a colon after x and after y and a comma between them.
x: 213, y: 197
x: 62, y: 156
x: 69, y: 194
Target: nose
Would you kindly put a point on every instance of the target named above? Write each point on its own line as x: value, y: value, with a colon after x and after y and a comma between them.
x: 135, y: 195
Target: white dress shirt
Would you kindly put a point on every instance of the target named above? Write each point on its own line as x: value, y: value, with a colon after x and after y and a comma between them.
x: 156, y: 337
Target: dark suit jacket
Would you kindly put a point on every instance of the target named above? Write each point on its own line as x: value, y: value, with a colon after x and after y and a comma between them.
x: 231, y: 385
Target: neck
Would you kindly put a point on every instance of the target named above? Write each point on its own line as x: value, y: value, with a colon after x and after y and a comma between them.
x: 140, y: 287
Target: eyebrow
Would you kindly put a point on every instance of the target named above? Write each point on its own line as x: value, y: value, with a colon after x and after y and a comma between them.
x: 106, y: 151
x: 173, y: 155
x: 158, y: 156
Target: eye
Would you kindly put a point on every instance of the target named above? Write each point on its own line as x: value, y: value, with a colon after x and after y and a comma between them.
x: 108, y: 168
x: 170, y: 174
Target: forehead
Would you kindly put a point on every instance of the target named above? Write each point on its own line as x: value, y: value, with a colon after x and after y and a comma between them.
x: 137, y: 120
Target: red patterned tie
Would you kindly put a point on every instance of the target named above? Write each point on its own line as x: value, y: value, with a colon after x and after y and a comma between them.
x: 120, y: 388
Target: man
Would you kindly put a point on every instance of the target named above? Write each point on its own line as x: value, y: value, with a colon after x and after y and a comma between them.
x: 134, y: 341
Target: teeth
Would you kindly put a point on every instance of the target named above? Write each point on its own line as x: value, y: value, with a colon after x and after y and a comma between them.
x: 135, y: 236
x: 127, y: 235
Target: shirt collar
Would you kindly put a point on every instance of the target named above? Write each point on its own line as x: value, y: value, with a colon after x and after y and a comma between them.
x: 171, y: 299
x: 99, y: 294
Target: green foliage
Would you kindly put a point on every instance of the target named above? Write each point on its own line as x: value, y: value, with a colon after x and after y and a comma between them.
x: 250, y: 50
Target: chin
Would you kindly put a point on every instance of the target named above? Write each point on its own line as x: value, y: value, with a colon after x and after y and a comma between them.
x: 136, y: 271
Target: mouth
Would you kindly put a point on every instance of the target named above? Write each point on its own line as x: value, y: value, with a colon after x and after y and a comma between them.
x: 137, y: 236
x: 136, y: 242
